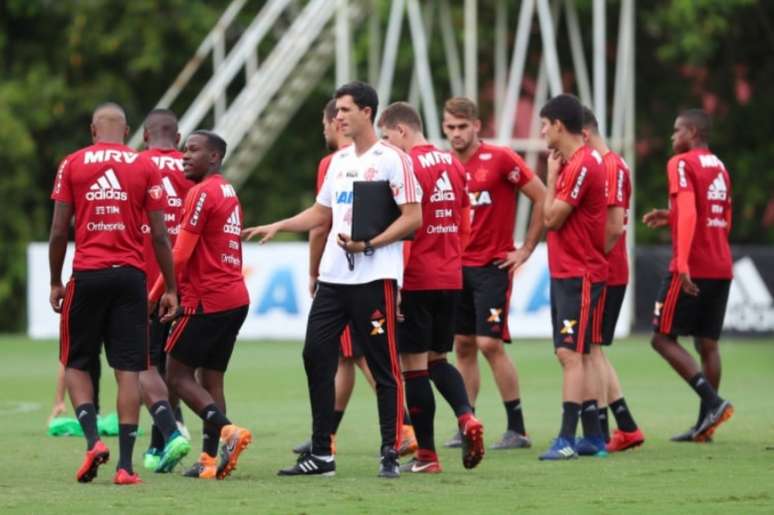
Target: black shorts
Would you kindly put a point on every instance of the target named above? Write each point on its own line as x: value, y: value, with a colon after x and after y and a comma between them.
x: 428, y: 323
x: 606, y: 314
x: 350, y: 346
x: 206, y: 340
x: 677, y: 313
x: 572, y: 302
x: 484, y: 300
x: 108, y: 305
x: 158, y: 334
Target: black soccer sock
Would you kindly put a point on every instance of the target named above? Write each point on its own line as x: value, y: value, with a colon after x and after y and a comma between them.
x: 95, y: 372
x: 623, y: 417
x: 407, y: 417
x: 87, y: 416
x: 704, y: 389
x: 702, y: 413
x: 127, y: 434
x: 515, y: 416
x: 337, y: 416
x: 570, y: 415
x: 163, y: 418
x: 603, y: 423
x: 590, y: 419
x: 157, y: 439
x: 450, y: 385
x: 210, y: 439
x: 178, y: 413
x: 421, y: 405
x: 213, y: 415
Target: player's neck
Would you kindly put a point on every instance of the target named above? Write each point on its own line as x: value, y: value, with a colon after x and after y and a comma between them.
x: 342, y: 141
x: 364, y: 141
x: 162, y: 145
x: 468, y: 152
x: 108, y: 140
x: 418, y: 141
x: 699, y: 145
x: 570, y: 145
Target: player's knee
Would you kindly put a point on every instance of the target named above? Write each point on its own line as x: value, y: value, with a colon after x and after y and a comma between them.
x: 491, y: 348
x: 569, y: 358
x: 465, y: 348
x: 705, y: 347
x: 659, y: 342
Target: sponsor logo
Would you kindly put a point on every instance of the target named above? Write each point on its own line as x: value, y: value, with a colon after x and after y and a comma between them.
x: 485, y: 157
x: 579, y: 183
x: 681, y: 174
x: 377, y: 327
x: 234, y: 224
x: 568, y: 326
x: 100, y: 156
x: 230, y: 260
x: 442, y: 229
x: 750, y: 304
x: 717, y: 223
x: 198, y: 208
x: 155, y: 192
x: 59, y: 176
x: 344, y: 197
x: 443, y: 189
x: 351, y: 174
x: 710, y: 161
x: 433, y: 158
x: 227, y: 190
x: 480, y: 198
x: 173, y: 200
x: 107, y: 187
x: 619, y: 186
x: 168, y: 163
x: 717, y: 190
x: 494, y: 315
x: 103, y: 227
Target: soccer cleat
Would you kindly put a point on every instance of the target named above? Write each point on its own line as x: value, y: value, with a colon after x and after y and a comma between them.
x: 455, y: 441
x: 472, y: 441
x: 235, y: 440
x: 623, y: 440
x: 712, y: 420
x: 513, y: 440
x: 425, y: 462
x: 686, y: 436
x: 151, y: 459
x: 123, y: 477
x: 389, y: 468
x: 95, y: 457
x: 408, y: 441
x: 591, y: 446
x: 561, y: 449
x: 303, y: 448
x: 205, y: 468
x: 310, y: 465
x: 176, y: 449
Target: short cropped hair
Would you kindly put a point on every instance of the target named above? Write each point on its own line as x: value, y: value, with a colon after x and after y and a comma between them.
x: 590, y: 120
x: 400, y: 112
x: 214, y: 142
x: 330, y: 110
x: 461, y: 107
x: 363, y: 95
x: 699, y: 120
x: 567, y: 109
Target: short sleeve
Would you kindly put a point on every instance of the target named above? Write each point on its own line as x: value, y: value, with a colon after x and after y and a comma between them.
x: 322, y: 170
x: 515, y: 169
x: 197, y: 205
x: 678, y: 175
x: 62, y: 191
x: 462, y: 177
x: 404, y: 184
x: 572, y: 184
x: 325, y: 187
x: 155, y: 198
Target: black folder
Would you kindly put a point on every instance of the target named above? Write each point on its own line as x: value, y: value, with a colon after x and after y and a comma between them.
x: 373, y: 209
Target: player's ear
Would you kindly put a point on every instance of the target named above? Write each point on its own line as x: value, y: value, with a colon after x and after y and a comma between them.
x: 477, y: 125
x: 93, y: 132
x: 177, y: 139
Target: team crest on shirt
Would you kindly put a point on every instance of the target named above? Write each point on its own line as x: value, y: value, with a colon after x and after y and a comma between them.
x: 494, y: 315
x: 481, y: 174
x: 370, y: 174
x: 515, y: 175
x: 569, y: 327
x: 155, y: 192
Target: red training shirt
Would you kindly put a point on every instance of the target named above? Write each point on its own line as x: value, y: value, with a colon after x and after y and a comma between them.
x: 701, y: 172
x: 577, y: 248
x: 212, y: 279
x: 494, y: 176
x: 110, y: 187
x: 435, y: 262
x: 169, y: 163
x: 619, y: 193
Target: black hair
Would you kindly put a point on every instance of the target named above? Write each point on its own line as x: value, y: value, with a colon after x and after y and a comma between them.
x: 330, y: 110
x: 214, y: 142
x: 699, y: 120
x: 363, y: 95
x: 590, y: 120
x: 567, y: 109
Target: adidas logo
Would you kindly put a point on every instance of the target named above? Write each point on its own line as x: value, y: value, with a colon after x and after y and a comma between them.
x: 173, y: 200
x: 717, y: 190
x: 107, y: 187
x: 82, y: 414
x: 566, y: 451
x: 750, y: 303
x: 443, y: 189
x: 159, y: 410
x: 209, y: 414
x: 234, y: 224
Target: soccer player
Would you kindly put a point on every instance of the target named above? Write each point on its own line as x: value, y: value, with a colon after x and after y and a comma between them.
x: 161, y: 139
x: 214, y: 302
x: 107, y: 187
x: 431, y: 284
x: 605, y: 316
x: 575, y: 214
x: 357, y: 283
x: 495, y: 176
x: 693, y: 296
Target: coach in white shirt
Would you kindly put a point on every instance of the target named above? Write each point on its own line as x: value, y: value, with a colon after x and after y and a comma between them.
x: 362, y: 292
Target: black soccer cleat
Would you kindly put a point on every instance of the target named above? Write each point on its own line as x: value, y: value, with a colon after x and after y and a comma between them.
x: 310, y: 465
x: 389, y: 468
x: 714, y: 417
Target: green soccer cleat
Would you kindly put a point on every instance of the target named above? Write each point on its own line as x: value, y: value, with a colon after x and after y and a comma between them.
x: 151, y: 459
x: 176, y: 449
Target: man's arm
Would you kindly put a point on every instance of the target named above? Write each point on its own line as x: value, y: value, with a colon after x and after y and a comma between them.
x: 555, y: 212
x: 168, y: 303
x: 410, y: 220
x: 306, y: 220
x: 614, y: 227
x: 535, y: 191
x: 686, y: 228
x: 57, y: 248
x: 317, y: 237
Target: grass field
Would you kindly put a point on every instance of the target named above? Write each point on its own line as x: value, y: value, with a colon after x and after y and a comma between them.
x: 266, y: 390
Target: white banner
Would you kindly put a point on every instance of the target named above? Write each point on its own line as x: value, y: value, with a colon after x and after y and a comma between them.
x: 277, y: 279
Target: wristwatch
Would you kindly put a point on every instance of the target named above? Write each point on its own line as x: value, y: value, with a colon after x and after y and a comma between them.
x: 369, y: 249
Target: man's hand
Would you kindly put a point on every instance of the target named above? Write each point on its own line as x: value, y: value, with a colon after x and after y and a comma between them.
x: 168, y: 307
x: 266, y: 231
x: 555, y: 162
x: 399, y: 314
x: 312, y: 285
x: 56, y: 297
x: 58, y: 409
x: 688, y: 286
x: 514, y: 259
x: 346, y: 243
x: 656, y: 218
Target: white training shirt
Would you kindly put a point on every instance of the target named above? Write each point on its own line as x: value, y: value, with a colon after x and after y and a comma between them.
x: 381, y: 162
